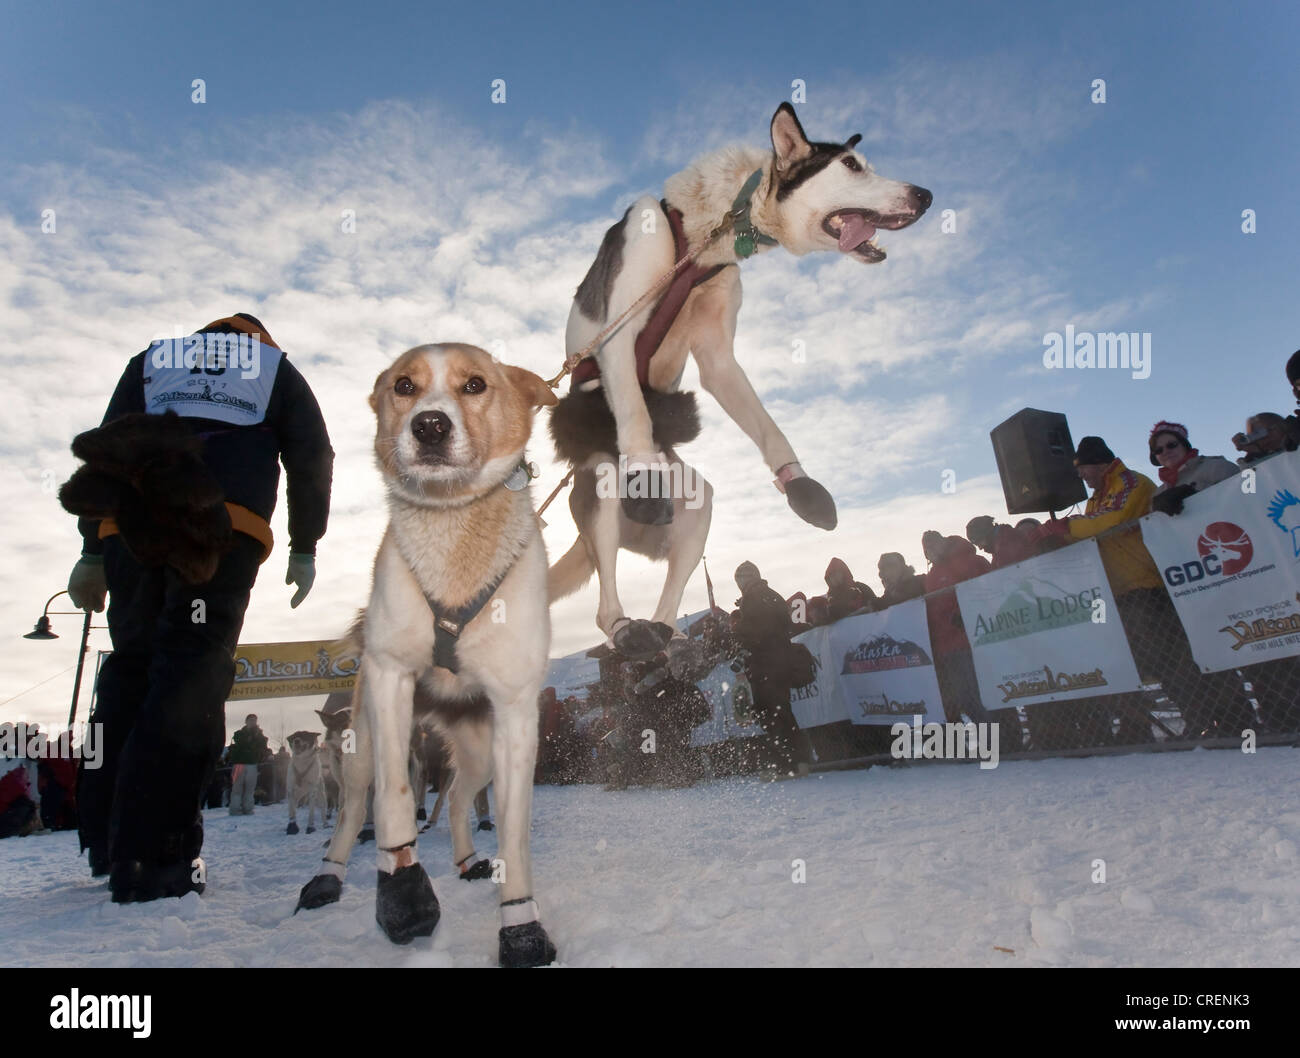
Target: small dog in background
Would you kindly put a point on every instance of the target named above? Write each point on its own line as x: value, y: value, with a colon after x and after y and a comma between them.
x: 306, y: 780
x: 336, y: 716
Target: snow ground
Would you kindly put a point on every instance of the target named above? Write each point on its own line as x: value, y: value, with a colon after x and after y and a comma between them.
x: 935, y: 865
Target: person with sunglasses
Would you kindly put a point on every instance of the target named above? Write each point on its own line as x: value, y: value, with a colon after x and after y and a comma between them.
x: 1183, y: 470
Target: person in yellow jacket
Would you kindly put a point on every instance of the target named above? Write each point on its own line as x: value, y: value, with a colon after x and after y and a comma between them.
x: 1212, y: 705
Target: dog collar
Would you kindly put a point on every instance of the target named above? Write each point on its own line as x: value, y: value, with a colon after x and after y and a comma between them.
x: 748, y: 238
x: 523, y: 473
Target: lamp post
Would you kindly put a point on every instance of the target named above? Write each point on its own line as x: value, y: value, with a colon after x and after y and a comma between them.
x: 42, y: 631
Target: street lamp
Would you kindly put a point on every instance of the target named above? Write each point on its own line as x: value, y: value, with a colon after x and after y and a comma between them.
x: 43, y: 631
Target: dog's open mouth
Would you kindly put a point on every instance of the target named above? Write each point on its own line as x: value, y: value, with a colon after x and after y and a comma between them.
x: 855, y: 230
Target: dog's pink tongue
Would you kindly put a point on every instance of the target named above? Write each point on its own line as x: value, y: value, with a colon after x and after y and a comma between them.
x: 855, y: 232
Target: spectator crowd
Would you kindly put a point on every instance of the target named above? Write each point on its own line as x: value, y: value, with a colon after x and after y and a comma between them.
x: 597, y: 738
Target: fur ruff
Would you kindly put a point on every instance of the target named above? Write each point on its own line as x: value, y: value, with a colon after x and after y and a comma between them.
x: 146, y: 472
x: 582, y: 424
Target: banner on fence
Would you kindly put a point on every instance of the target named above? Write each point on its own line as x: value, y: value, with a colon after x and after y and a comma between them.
x: 282, y: 670
x: 1231, y: 563
x: 1037, y: 634
x: 877, y: 668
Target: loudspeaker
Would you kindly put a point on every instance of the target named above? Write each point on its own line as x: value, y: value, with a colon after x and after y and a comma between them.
x: 1036, y: 462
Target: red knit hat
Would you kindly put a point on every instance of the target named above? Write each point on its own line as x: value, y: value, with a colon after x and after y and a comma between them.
x: 1175, y: 428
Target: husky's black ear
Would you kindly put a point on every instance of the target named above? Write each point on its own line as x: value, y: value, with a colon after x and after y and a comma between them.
x: 852, y: 141
x: 788, y: 139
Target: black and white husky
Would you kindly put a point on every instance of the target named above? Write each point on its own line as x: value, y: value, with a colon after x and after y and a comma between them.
x: 624, y: 415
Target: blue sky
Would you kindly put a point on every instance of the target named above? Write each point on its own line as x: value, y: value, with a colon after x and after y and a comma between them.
x: 476, y: 221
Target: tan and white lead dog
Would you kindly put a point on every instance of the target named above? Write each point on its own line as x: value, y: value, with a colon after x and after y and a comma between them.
x: 458, y: 623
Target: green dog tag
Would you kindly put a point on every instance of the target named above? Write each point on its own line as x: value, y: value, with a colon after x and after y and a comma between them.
x: 744, y: 245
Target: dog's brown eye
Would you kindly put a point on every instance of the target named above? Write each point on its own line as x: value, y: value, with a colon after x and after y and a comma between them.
x: 851, y: 163
x: 475, y: 385
x: 404, y: 386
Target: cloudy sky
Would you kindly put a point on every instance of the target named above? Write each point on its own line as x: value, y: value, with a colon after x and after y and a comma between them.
x: 476, y: 220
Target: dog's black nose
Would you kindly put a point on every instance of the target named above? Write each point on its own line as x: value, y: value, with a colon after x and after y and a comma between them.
x: 921, y: 198
x: 431, y: 427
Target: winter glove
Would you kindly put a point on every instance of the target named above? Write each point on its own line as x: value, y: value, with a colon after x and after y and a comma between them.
x: 1171, y: 500
x: 302, y: 572
x: 87, y: 585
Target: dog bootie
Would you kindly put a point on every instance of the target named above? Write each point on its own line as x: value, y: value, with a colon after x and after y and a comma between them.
x: 639, y: 640
x: 480, y: 871
x: 311, y: 830
x: 646, y: 498
x: 321, y: 890
x: 524, y: 946
x: 485, y: 824
x: 292, y: 828
x: 406, y: 906
x: 367, y: 834
x: 811, y: 502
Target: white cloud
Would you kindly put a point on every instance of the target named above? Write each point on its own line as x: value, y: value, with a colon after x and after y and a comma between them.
x: 458, y: 238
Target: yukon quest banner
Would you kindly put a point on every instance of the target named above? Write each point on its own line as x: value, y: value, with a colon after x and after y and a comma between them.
x: 883, y: 666
x: 1046, y: 630
x: 283, y: 670
x: 1231, y: 563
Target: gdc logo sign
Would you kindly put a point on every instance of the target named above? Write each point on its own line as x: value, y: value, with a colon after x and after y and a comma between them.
x: 1224, y: 550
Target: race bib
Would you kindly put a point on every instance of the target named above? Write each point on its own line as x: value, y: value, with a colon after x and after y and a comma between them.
x: 227, y: 377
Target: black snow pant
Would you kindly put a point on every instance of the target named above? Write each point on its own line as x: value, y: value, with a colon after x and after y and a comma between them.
x: 787, y: 746
x: 161, y: 698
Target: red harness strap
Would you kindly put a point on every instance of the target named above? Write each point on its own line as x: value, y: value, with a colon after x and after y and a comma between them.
x: 665, y: 312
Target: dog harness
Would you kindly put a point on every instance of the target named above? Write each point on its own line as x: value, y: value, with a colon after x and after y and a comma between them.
x: 747, y: 240
x: 665, y: 312
x: 448, y: 622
